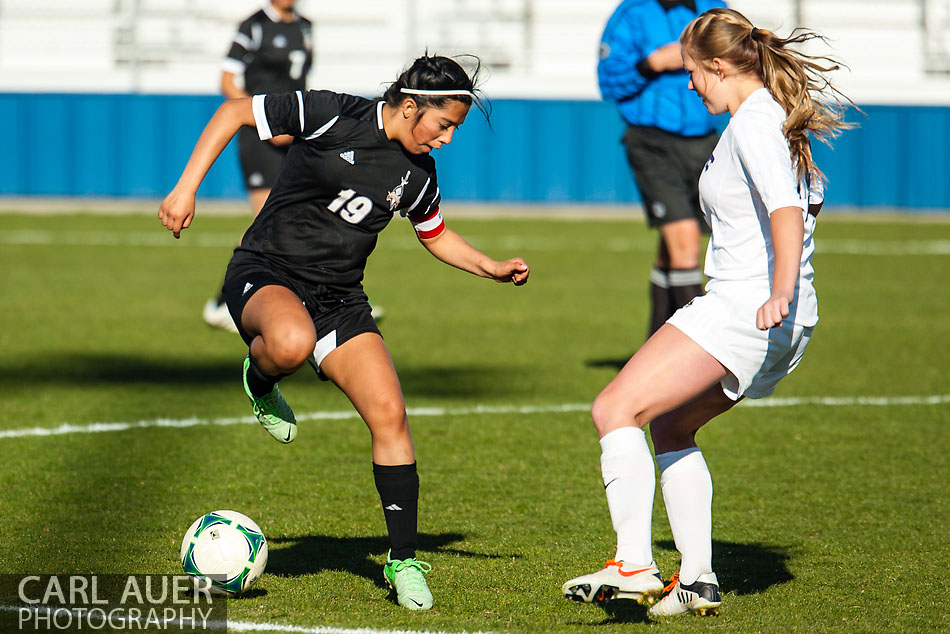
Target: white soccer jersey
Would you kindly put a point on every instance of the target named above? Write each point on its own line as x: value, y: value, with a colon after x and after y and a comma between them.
x: 748, y: 176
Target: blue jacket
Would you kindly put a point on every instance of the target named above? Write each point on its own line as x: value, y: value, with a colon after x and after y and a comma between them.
x: 636, y: 29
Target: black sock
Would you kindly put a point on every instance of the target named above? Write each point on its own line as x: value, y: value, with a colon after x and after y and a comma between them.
x: 659, y: 299
x: 685, y: 284
x: 398, y: 488
x: 221, y: 301
x: 259, y: 383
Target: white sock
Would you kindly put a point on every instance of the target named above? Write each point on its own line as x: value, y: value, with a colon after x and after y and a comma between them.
x: 687, y: 492
x: 630, y: 482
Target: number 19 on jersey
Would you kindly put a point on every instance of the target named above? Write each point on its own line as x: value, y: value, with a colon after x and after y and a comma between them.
x: 351, y: 207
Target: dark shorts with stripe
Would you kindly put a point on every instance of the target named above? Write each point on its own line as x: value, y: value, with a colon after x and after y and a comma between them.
x: 260, y: 160
x: 666, y: 168
x: 338, y: 313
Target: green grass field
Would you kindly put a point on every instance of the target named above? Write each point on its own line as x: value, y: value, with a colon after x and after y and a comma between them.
x: 831, y: 507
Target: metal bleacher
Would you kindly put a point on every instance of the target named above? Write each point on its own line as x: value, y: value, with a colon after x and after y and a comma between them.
x: 936, y: 19
x: 537, y: 48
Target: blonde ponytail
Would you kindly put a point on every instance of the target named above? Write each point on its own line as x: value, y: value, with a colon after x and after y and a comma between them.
x: 813, y: 106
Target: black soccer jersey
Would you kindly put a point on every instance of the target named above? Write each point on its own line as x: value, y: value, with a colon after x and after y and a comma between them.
x: 272, y: 55
x: 340, y: 185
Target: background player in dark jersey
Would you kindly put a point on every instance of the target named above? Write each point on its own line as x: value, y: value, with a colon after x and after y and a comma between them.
x: 272, y: 52
x: 293, y: 286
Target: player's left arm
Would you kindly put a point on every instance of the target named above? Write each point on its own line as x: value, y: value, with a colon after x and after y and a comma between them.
x: 788, y: 235
x: 452, y: 249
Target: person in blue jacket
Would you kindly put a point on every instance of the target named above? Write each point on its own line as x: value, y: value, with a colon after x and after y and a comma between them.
x: 669, y: 136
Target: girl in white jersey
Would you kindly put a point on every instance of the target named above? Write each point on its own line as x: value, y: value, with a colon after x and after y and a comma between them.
x: 760, y: 192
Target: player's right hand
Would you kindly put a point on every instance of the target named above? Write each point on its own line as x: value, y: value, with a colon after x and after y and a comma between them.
x: 772, y: 312
x: 176, y: 212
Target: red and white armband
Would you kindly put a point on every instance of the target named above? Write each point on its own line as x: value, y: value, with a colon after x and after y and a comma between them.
x: 429, y: 225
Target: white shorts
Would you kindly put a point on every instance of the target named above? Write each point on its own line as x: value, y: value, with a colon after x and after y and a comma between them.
x: 723, y: 322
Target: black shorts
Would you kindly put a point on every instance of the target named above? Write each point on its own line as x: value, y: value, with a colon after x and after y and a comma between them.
x: 338, y: 313
x: 260, y: 160
x: 666, y: 168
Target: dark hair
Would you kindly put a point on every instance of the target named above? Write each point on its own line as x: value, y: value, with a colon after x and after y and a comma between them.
x: 439, y: 73
x: 813, y: 106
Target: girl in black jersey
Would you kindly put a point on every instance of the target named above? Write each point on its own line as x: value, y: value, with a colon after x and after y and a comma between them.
x: 293, y: 286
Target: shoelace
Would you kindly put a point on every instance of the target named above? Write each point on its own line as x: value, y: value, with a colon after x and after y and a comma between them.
x: 672, y: 584
x: 414, y: 570
x: 268, y: 402
x: 619, y: 566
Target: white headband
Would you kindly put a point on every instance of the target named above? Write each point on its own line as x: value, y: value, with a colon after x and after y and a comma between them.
x: 417, y: 91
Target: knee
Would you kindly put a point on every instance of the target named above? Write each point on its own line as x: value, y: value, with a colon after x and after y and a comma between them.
x: 682, y: 244
x: 389, y: 418
x: 684, y: 255
x: 289, y: 349
x: 610, y: 411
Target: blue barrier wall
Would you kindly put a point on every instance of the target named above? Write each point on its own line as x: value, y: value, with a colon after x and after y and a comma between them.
x: 533, y: 151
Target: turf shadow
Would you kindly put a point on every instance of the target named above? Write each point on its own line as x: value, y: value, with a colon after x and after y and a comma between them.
x: 125, y: 369
x: 746, y: 568
x: 624, y: 611
x: 253, y: 593
x: 309, y: 554
x: 453, y: 381
x: 87, y: 369
x: 615, y: 364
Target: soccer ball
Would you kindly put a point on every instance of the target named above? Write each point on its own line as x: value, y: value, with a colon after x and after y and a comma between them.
x: 224, y: 551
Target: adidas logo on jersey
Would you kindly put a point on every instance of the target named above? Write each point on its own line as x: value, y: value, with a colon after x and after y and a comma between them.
x: 247, y: 287
x: 349, y: 156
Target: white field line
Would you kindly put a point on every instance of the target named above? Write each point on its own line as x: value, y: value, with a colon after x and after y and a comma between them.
x: 241, y: 626
x: 837, y: 401
x: 161, y: 238
x: 883, y: 247
x: 85, y: 617
x: 92, y: 428
x: 418, y: 412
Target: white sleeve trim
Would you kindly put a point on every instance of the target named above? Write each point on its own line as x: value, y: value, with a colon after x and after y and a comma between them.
x: 300, y: 109
x: 326, y: 126
x: 436, y: 199
x: 233, y: 66
x: 257, y: 37
x: 242, y: 40
x: 260, y: 117
x: 421, y: 194
x: 779, y: 203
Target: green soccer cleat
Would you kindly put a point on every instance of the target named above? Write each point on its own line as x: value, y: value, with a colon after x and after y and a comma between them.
x: 406, y: 577
x: 272, y: 411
